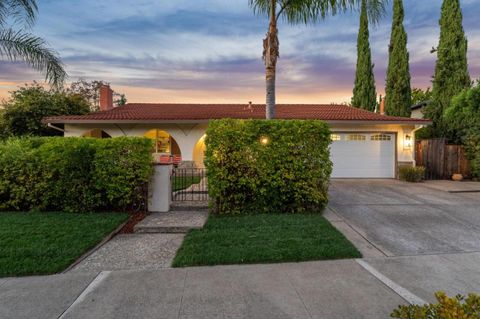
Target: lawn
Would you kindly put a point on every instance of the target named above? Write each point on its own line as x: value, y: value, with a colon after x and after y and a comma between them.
x: 184, y: 182
x: 263, y: 239
x: 46, y: 243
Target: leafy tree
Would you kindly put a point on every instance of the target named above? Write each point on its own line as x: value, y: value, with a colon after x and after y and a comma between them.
x: 297, y: 12
x: 20, y: 45
x: 91, y: 91
x: 23, y: 113
x: 451, y: 71
x: 364, y: 93
x: 463, y: 115
x: 119, y: 99
x: 462, y: 118
x: 398, y: 91
x: 420, y: 96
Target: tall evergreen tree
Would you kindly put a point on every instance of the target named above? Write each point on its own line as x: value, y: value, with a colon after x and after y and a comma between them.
x: 364, y: 94
x: 399, y: 93
x: 451, y: 71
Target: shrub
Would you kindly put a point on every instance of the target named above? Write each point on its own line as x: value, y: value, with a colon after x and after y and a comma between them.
x: 463, y: 118
x: 73, y: 174
x: 411, y: 174
x: 259, y: 166
x: 446, y: 307
x: 472, y: 146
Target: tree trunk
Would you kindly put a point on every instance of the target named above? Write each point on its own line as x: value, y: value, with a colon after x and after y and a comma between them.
x: 270, y: 56
x: 270, y: 105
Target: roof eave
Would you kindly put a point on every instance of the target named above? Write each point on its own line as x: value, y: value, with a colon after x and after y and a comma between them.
x: 358, y: 122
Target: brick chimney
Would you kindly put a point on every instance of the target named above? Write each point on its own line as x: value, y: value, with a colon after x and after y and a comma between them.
x: 106, y: 97
x: 382, y: 106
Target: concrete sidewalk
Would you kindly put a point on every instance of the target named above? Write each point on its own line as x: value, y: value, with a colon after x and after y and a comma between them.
x: 323, y: 289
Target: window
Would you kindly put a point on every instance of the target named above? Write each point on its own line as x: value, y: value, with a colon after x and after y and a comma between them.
x: 162, y: 140
x: 356, y: 137
x: 335, y: 137
x: 381, y: 137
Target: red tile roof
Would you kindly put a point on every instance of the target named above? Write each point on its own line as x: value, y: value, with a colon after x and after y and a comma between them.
x: 139, y: 112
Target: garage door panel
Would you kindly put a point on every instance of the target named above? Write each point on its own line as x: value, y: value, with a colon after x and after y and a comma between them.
x: 363, y: 158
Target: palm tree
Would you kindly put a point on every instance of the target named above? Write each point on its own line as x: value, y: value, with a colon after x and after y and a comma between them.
x: 297, y: 12
x: 20, y: 45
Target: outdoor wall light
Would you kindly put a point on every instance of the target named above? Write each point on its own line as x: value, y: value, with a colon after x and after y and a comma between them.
x: 264, y: 140
x: 407, y: 142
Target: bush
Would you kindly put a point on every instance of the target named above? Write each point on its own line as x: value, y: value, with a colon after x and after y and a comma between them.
x: 463, y: 118
x: 411, y: 174
x: 73, y: 174
x: 446, y: 307
x: 259, y: 166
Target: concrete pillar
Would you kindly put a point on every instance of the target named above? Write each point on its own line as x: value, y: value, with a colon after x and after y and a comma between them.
x: 160, y: 189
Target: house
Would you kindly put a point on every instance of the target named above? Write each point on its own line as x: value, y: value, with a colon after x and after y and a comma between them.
x: 418, y: 109
x: 364, y: 144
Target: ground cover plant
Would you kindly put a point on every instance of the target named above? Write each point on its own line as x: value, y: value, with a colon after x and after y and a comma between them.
x: 46, y: 243
x: 263, y: 238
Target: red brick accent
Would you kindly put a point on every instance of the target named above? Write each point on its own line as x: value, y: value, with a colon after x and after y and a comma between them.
x: 382, y: 106
x: 106, y: 98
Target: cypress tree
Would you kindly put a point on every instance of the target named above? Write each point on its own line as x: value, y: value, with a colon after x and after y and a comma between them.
x: 451, y: 71
x: 364, y: 94
x: 399, y: 93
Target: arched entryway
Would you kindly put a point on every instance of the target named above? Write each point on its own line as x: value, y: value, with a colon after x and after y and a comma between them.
x: 164, y: 142
x: 199, y: 152
x: 96, y: 133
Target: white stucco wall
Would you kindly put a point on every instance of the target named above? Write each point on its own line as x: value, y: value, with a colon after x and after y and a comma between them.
x: 188, y: 135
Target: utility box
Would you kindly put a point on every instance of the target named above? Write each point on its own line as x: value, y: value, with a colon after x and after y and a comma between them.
x: 160, y: 188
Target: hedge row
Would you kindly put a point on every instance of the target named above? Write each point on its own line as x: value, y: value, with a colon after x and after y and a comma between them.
x: 259, y: 166
x: 73, y: 174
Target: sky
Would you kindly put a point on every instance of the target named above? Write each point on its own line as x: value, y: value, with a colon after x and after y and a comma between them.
x: 209, y: 51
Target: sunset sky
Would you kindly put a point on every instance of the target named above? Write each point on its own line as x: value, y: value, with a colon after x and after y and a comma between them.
x: 210, y: 50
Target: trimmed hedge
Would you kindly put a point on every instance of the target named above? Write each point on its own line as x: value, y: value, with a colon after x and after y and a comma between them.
x: 73, y: 174
x: 411, y: 174
x: 274, y: 166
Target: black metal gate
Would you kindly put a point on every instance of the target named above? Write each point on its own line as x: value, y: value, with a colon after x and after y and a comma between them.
x: 189, y: 184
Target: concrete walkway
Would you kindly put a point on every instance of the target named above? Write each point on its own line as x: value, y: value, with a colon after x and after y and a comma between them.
x: 325, y: 289
x: 153, y: 246
x: 172, y: 222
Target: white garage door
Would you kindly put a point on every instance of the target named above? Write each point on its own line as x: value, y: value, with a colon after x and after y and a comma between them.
x: 363, y: 155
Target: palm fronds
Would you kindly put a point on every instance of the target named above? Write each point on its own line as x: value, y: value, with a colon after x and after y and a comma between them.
x: 20, y: 45
x: 33, y: 50
x: 18, y: 11
x: 309, y: 11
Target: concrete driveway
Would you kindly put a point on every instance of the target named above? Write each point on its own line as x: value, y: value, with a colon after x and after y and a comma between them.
x: 406, y: 219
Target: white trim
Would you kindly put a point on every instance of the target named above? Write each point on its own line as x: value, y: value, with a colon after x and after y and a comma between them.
x: 360, y: 122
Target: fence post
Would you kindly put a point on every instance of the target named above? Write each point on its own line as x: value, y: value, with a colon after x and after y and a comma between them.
x: 160, y: 188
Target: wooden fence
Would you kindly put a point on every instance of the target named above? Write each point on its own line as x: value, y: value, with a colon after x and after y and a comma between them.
x: 441, y: 160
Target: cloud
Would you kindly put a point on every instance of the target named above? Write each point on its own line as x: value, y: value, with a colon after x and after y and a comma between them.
x: 212, y: 48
